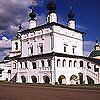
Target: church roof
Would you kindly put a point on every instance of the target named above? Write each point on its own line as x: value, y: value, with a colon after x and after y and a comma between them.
x: 49, y: 25
x: 95, y: 53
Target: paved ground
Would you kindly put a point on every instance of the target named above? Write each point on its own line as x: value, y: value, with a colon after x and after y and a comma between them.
x: 39, y: 93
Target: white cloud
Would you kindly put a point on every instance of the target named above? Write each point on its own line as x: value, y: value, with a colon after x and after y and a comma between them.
x: 5, y: 46
x: 5, y: 43
x: 13, y: 12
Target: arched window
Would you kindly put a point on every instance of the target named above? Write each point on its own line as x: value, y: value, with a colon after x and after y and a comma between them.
x: 26, y: 65
x: 16, y: 45
x: 34, y: 65
x: 23, y: 79
x: 70, y: 63
x: 96, y: 69
x: 58, y: 62
x: 64, y: 63
x: 75, y: 63
x: 31, y: 48
x: 21, y: 65
x: 88, y: 65
x: 42, y: 62
x: 34, y: 79
x: 49, y: 62
x: 46, y: 79
x: 81, y: 63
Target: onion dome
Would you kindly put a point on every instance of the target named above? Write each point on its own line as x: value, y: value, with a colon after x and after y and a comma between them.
x: 32, y: 15
x: 96, y: 52
x: 51, y: 7
x: 71, y: 15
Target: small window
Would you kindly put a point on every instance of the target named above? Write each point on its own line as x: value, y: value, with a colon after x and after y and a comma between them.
x: 81, y: 63
x: 49, y: 62
x: 96, y: 69
x: 41, y: 47
x: 9, y: 71
x: 34, y: 65
x: 88, y: 65
x: 64, y: 63
x: 73, y: 50
x: 70, y: 63
x: 21, y: 64
x: 0, y: 71
x: 58, y: 62
x: 31, y: 48
x: 64, y: 48
x: 75, y: 63
x: 14, y: 66
x: 16, y: 45
x: 42, y: 62
x: 26, y: 65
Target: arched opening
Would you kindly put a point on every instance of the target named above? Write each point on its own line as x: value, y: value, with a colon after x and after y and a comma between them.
x: 64, y: 63
x: 81, y: 78
x: 81, y: 63
x: 70, y: 63
x: 49, y: 62
x: 46, y: 79
x: 58, y: 62
x: 23, y: 79
x: 62, y: 79
x: 90, y: 80
x: 34, y: 79
x: 74, y: 79
x: 14, y: 79
x: 75, y: 63
x: 16, y: 45
x: 42, y: 62
x: 34, y: 65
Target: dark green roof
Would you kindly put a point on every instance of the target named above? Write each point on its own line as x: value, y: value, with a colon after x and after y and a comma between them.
x: 95, y: 53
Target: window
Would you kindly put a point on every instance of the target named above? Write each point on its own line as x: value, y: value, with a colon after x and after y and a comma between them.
x: 73, y: 50
x: 41, y: 47
x: 49, y: 62
x: 14, y: 66
x: 42, y: 62
x: 0, y: 71
x: 16, y: 45
x: 9, y: 71
x: 64, y: 63
x: 26, y: 65
x: 34, y: 65
x: 31, y: 48
x: 88, y: 66
x: 75, y: 63
x: 70, y: 63
x: 58, y: 62
x: 81, y: 63
x: 64, y: 48
x: 65, y: 45
x: 21, y: 64
x: 96, y: 69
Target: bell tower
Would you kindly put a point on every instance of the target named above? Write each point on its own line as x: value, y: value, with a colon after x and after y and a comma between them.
x: 71, y: 19
x: 32, y: 21
x: 52, y: 17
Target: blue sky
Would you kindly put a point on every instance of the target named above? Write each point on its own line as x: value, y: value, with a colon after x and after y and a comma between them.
x: 15, y: 12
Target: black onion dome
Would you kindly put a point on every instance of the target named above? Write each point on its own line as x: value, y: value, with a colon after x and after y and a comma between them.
x: 51, y: 7
x: 32, y: 15
x: 71, y: 14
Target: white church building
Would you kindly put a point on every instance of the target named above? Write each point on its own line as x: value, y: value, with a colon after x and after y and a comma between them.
x: 51, y: 53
